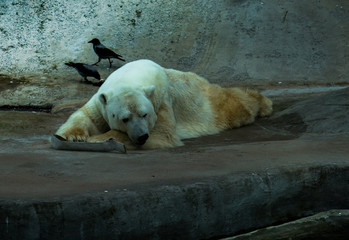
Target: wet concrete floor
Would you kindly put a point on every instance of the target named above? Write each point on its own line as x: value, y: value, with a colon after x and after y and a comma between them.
x: 253, y: 162
x: 31, y: 168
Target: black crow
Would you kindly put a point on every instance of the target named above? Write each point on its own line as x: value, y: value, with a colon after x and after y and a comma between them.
x: 85, y: 70
x: 103, y: 52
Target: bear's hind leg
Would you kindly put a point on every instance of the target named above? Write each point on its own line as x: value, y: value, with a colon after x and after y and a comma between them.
x: 265, y: 104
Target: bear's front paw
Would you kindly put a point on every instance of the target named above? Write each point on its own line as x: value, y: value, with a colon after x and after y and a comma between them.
x: 75, y: 135
x: 99, y: 138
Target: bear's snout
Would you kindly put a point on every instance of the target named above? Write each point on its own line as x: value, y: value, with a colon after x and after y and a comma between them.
x: 142, y: 139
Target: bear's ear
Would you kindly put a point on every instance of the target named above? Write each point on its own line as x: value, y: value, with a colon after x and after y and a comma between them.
x: 149, y: 90
x: 103, y: 98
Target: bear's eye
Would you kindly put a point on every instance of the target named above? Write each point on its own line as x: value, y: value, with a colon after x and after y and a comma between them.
x: 144, y: 115
x: 125, y: 120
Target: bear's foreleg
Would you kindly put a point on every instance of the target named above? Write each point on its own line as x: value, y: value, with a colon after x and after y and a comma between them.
x: 79, y: 126
x: 116, y: 135
x: 164, y: 134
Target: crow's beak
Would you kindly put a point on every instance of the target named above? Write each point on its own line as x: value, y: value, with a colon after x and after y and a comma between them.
x: 89, y: 41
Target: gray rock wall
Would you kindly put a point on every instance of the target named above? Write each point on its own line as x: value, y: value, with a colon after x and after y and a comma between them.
x: 227, y: 41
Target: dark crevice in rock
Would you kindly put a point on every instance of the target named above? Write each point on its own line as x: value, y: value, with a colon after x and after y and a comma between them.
x: 27, y: 108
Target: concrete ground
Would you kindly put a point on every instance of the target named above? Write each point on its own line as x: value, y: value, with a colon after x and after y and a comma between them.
x: 274, y: 171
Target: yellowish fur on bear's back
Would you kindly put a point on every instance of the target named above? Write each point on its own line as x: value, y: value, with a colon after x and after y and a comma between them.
x: 232, y: 106
x: 186, y: 93
x: 222, y: 107
x: 191, y: 107
x: 201, y: 105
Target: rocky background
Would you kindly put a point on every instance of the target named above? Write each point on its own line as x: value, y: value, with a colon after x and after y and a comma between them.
x: 226, y: 41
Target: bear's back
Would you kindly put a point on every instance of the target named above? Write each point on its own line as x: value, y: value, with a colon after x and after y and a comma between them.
x: 136, y: 74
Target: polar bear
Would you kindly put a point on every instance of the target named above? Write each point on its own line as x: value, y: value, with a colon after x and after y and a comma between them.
x: 146, y: 106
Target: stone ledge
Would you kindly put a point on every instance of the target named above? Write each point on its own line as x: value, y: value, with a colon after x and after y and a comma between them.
x: 331, y: 224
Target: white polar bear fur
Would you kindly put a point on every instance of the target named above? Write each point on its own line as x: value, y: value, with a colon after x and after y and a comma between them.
x: 166, y: 104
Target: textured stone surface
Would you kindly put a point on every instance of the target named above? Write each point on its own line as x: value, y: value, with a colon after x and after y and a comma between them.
x: 332, y: 225
x: 325, y: 114
x: 225, y: 41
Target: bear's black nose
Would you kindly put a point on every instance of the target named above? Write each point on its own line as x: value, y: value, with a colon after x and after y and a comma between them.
x: 142, y: 139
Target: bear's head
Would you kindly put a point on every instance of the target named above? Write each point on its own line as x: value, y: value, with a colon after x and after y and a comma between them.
x: 130, y: 111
